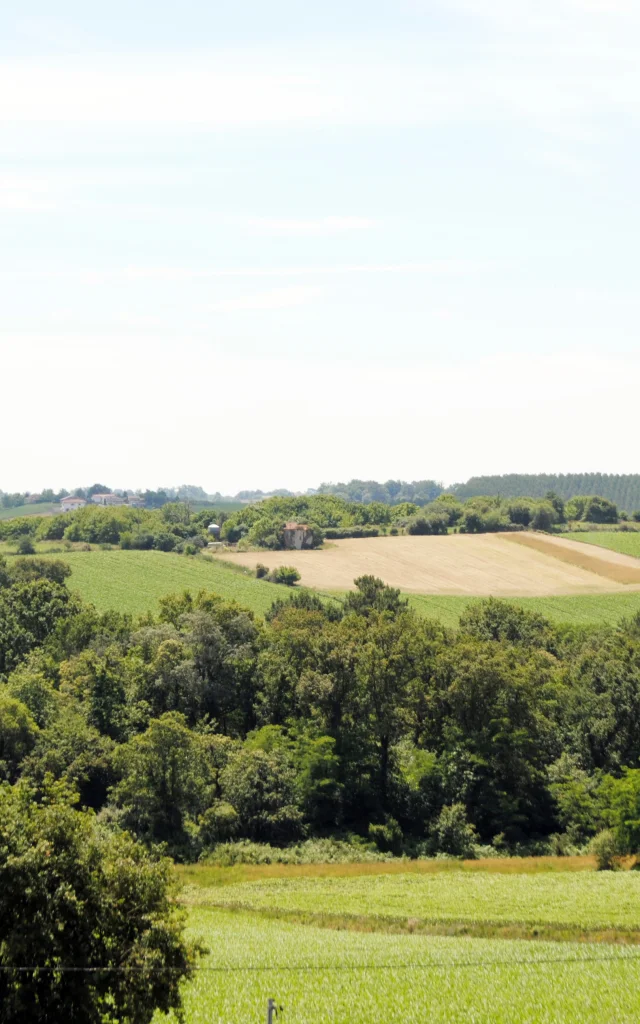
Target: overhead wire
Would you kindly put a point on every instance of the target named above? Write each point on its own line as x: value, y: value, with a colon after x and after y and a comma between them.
x: 258, y: 968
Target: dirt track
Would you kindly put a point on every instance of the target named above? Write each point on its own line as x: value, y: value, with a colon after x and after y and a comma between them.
x: 459, y: 564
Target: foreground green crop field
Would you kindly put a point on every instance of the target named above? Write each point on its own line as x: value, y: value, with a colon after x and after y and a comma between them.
x: 575, y: 610
x: 625, y: 543
x: 134, y: 581
x: 587, y: 899
x: 319, y: 975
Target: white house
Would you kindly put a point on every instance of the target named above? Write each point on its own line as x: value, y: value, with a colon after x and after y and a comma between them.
x: 107, y: 499
x: 71, y: 504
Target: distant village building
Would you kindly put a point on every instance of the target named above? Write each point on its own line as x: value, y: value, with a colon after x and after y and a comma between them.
x: 135, y: 501
x: 71, y: 504
x: 32, y: 499
x: 107, y: 499
x: 298, y: 536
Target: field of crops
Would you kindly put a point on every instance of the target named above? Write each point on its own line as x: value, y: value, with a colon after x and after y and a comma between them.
x: 586, y: 899
x: 471, y: 565
x: 320, y: 975
x: 574, y: 609
x: 134, y: 581
x: 624, y: 543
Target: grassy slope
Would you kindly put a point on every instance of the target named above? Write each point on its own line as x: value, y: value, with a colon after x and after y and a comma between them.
x: 134, y: 581
x: 44, y: 509
x: 354, y: 978
x: 625, y: 543
x: 585, y: 899
x: 575, y: 609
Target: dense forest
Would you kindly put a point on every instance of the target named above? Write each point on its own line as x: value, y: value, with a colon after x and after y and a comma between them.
x: 623, y: 489
x: 393, y: 492
x: 202, y: 726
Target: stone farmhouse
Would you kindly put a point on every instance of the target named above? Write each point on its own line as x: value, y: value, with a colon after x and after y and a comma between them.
x: 298, y: 536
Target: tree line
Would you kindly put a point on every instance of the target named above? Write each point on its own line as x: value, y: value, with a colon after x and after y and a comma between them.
x: 174, y: 527
x: 331, y: 517
x: 621, y: 489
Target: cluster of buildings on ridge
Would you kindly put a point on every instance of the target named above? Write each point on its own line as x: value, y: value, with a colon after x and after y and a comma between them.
x: 70, y: 504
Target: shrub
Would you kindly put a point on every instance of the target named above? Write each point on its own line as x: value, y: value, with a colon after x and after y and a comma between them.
x: 604, y: 848
x: 452, y: 833
x: 311, y: 851
x: 387, y: 836
x: 25, y: 546
x: 218, y: 823
x: 346, y: 532
x: 142, y: 541
x: 287, y: 574
x: 164, y: 542
x: 261, y: 571
x: 544, y: 516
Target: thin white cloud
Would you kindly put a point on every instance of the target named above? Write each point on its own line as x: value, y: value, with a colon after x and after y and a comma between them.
x: 22, y: 194
x: 174, y: 90
x: 582, y: 64
x: 312, y: 227
x: 276, y: 298
x: 177, y: 274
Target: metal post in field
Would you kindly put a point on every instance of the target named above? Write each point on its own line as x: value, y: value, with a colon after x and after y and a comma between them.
x: 272, y: 1010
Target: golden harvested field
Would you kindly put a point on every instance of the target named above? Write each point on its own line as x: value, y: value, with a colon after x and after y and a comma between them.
x: 503, y: 565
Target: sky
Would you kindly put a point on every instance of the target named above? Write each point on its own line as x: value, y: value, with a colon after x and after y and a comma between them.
x: 259, y: 245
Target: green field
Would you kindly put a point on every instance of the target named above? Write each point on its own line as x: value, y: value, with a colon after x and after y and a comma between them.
x: 574, y: 609
x: 581, y: 899
x: 348, y: 977
x: 134, y: 581
x: 625, y: 543
x: 43, y: 509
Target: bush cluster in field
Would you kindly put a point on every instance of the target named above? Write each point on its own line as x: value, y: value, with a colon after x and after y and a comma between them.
x: 311, y: 851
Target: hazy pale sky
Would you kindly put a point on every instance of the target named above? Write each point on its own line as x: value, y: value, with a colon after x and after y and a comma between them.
x: 262, y: 244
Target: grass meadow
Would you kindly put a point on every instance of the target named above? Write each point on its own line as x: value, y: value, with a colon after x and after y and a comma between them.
x: 623, y: 542
x: 586, y: 900
x: 134, y: 581
x: 319, y: 975
x: 291, y: 938
x: 572, y: 609
x: 45, y: 508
